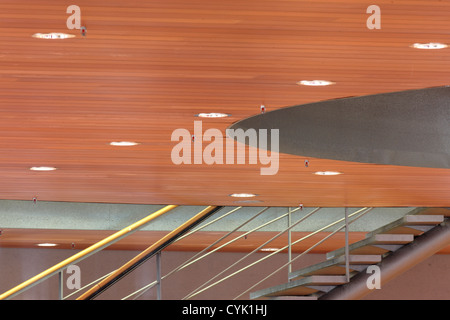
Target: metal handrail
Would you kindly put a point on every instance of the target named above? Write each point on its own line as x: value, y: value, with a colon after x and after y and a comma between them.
x: 255, y: 250
x: 149, y: 286
x: 305, y: 252
x: 241, y: 236
x: 207, y: 224
x: 269, y: 255
x: 180, y: 235
x: 87, y: 286
x: 190, y: 261
x: 84, y: 253
x: 148, y: 253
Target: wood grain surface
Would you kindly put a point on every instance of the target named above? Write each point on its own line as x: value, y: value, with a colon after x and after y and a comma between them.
x: 146, y: 68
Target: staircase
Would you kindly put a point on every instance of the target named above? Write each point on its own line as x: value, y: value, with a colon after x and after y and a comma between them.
x: 312, y: 282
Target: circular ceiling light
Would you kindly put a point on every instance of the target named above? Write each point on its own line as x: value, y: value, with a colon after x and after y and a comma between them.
x: 212, y: 115
x: 327, y: 173
x: 242, y: 195
x: 315, y: 83
x: 123, y: 143
x: 42, y: 168
x: 429, y: 46
x: 52, y: 35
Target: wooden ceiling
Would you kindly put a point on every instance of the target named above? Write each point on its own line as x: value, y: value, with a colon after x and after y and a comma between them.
x: 81, y: 239
x: 146, y: 68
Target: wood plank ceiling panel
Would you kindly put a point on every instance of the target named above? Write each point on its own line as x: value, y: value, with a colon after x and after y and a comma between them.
x: 146, y: 68
x: 81, y: 239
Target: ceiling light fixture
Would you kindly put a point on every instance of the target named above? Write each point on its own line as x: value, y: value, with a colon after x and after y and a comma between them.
x: 429, y: 46
x: 53, y: 35
x: 123, y: 143
x: 46, y: 244
x: 315, y: 83
x: 327, y: 173
x: 242, y: 195
x: 269, y: 249
x: 212, y: 115
x: 42, y: 168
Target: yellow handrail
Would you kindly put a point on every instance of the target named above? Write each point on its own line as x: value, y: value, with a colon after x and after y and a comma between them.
x: 101, y: 285
x: 82, y: 254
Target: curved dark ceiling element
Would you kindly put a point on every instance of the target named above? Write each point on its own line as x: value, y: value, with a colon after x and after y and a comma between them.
x: 408, y: 128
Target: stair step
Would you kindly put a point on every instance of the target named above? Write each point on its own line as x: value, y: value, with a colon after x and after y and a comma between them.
x: 423, y: 219
x: 302, y: 287
x: 336, y: 266
x: 415, y: 224
x: 377, y: 244
x: 313, y: 281
x: 431, y: 211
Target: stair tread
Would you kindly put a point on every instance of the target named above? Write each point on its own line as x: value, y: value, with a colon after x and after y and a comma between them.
x: 376, y: 244
x: 431, y: 211
x: 312, y: 281
x: 335, y: 266
x: 301, y: 287
x: 409, y: 224
x: 423, y: 219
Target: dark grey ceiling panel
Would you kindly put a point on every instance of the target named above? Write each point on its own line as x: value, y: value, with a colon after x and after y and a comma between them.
x: 408, y: 128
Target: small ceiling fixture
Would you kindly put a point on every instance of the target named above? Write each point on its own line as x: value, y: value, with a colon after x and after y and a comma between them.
x: 53, y: 35
x: 315, y: 83
x: 46, y: 244
x: 429, y: 46
x: 327, y: 173
x: 42, y: 168
x: 242, y: 195
x: 212, y: 115
x: 123, y: 143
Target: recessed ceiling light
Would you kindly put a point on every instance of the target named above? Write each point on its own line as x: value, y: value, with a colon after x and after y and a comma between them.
x: 46, y: 244
x: 327, y: 173
x: 212, y: 115
x: 42, y: 168
x: 53, y: 35
x: 429, y: 46
x: 123, y: 143
x: 315, y: 83
x: 242, y: 195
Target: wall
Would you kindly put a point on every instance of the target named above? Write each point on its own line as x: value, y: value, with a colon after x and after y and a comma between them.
x: 428, y: 280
